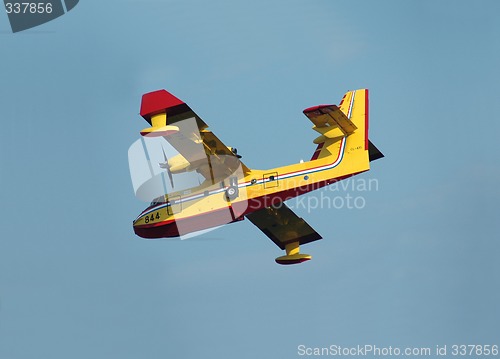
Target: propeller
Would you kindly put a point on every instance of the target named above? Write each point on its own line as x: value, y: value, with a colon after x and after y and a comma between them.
x: 165, y: 166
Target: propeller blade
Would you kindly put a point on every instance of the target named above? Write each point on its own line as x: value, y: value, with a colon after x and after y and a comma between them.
x: 170, y: 177
x: 167, y: 167
x: 164, y: 155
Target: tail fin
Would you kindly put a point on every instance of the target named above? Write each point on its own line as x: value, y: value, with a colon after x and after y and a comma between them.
x: 348, y: 119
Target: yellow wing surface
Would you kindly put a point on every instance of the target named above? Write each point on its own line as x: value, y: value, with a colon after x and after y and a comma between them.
x: 199, y: 149
x: 283, y: 226
x: 286, y: 230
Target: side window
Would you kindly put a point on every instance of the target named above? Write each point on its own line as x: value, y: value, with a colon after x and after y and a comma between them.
x: 270, y: 180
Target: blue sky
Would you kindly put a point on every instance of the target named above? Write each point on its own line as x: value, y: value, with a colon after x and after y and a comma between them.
x: 417, y: 266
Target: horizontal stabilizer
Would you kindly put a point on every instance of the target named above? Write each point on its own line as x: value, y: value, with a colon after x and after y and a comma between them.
x: 330, y: 121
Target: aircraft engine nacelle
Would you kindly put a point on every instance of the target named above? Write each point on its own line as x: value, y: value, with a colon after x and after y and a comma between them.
x: 178, y: 164
x: 234, y: 151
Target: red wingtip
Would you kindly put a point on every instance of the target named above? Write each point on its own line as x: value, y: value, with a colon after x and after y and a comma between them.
x: 157, y: 101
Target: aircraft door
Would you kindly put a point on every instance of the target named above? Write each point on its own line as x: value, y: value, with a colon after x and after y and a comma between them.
x: 175, y: 205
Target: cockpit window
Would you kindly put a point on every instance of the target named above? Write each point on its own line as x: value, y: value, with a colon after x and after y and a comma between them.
x: 158, y: 200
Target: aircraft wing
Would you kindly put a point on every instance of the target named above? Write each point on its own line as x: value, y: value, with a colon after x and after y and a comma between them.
x: 198, y: 146
x: 283, y: 226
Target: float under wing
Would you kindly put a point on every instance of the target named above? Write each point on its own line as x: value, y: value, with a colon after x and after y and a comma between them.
x: 286, y: 230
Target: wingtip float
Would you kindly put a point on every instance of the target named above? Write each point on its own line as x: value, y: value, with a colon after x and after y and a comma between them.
x: 230, y: 191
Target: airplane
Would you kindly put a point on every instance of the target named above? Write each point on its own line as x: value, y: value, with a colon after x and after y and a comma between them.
x: 227, y: 190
